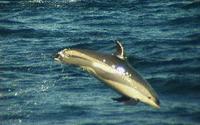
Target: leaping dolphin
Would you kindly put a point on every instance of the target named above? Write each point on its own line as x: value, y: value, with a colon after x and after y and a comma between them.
x: 115, y: 71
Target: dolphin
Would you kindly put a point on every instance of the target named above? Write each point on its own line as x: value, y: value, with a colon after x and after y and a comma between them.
x: 115, y: 71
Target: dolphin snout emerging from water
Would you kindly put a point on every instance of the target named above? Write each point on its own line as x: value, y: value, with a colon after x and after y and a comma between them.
x: 115, y: 71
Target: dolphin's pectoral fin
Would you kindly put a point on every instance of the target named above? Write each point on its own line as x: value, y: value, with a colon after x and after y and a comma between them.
x: 120, y: 50
x: 122, y: 99
x: 126, y: 100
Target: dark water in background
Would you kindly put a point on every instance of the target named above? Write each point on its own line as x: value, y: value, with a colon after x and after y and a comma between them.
x: 162, y: 41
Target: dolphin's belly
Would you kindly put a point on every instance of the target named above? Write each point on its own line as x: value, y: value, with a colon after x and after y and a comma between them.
x: 115, y: 80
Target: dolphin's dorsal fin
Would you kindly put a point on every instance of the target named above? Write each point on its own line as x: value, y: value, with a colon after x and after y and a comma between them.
x: 120, y: 50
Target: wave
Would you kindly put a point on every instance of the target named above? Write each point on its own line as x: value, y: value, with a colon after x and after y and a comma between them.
x: 185, y: 20
x: 169, y: 61
x: 181, y: 85
x: 23, y: 32
x: 10, y: 22
x: 6, y: 117
x: 192, y: 5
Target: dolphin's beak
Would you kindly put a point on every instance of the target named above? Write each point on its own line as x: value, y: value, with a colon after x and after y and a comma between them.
x: 56, y: 57
x: 156, y: 104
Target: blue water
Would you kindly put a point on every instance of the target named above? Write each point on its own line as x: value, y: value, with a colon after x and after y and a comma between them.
x: 161, y: 40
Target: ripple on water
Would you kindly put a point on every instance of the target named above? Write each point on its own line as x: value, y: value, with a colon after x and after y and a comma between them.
x: 161, y: 40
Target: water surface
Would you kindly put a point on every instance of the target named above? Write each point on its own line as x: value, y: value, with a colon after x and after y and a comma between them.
x: 161, y: 39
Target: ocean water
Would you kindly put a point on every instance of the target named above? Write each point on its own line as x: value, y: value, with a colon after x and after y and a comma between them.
x: 161, y: 40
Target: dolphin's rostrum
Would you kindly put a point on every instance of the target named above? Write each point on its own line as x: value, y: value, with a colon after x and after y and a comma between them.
x: 115, y: 71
